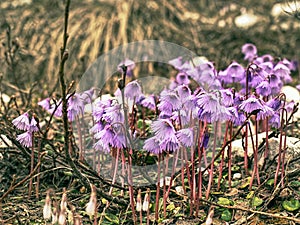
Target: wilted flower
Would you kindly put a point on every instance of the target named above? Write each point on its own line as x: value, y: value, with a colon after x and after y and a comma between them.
x: 146, y: 202
x: 139, y: 201
x: 47, y: 211
x: 92, y: 204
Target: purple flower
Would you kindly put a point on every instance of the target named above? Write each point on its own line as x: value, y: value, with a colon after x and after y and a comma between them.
x: 56, y: 108
x: 251, y: 104
x: 205, y: 139
x: 211, y: 108
x: 106, y: 135
x: 274, y: 80
x: 176, y: 63
x: 290, y: 106
x: 97, y: 127
x: 119, y: 140
x: 33, y: 127
x: 265, y: 112
x: 113, y: 114
x: 133, y: 90
x: 258, y: 76
x: 149, y: 102
x: 263, y: 59
x: 170, y: 143
x: 182, y: 78
x: 274, y: 121
x: 101, y: 146
x: 283, y: 72
x: 75, y: 106
x: 186, y: 137
x: 205, y: 74
x: 267, y: 67
x: 45, y: 104
x: 162, y: 128
x: 180, y: 117
x: 25, y: 139
x: 238, y: 118
x: 130, y: 66
x: 169, y: 101
x: 234, y: 73
x: 263, y: 88
x: 22, y: 122
x: 152, y: 145
x: 227, y: 97
x: 87, y: 96
x: 274, y: 103
x: 250, y: 51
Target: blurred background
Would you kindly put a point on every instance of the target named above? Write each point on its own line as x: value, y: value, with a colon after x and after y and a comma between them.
x: 31, y: 32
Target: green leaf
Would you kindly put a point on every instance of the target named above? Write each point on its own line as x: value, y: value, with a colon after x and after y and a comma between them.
x: 256, y: 201
x: 291, y: 205
x: 250, y: 195
x: 224, y: 201
x: 295, y: 183
x: 270, y: 182
x: 171, y: 207
x: 245, y: 183
x: 226, y: 215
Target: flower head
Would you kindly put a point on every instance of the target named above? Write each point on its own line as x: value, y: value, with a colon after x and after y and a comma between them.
x: 186, y: 137
x: 45, y: 103
x: 133, y: 90
x: 25, y: 139
x: 234, y: 73
x: 22, y: 122
x: 75, y: 106
x: 263, y: 88
x: 149, y: 102
x: 283, y: 72
x: 182, y: 78
x: 251, y: 104
x: 250, y: 51
x: 162, y: 128
x: 152, y: 145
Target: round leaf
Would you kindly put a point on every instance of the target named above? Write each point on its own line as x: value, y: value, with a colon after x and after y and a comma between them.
x: 291, y: 205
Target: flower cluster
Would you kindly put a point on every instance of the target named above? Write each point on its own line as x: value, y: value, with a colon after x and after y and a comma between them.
x: 26, y: 123
x: 180, y: 108
x: 76, y: 104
